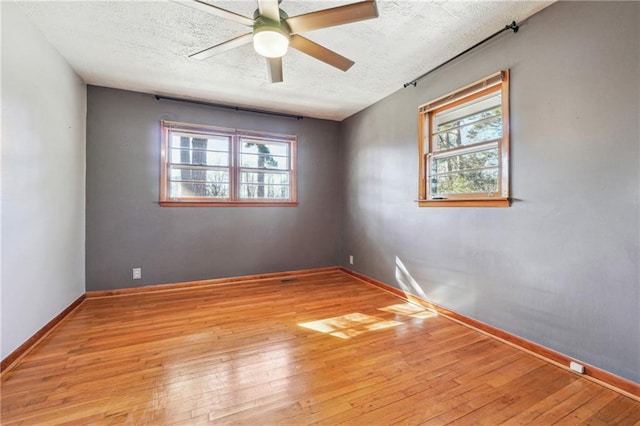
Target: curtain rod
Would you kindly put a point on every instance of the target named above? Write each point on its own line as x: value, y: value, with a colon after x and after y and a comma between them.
x: 234, y: 108
x: 512, y: 26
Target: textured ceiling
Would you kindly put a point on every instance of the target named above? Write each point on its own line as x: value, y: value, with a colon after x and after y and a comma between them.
x: 143, y: 46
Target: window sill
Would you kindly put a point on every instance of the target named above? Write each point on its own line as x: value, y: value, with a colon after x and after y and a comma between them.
x: 498, y: 202
x: 228, y: 204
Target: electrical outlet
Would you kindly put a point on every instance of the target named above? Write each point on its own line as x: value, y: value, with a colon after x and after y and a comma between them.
x: 578, y: 368
x: 137, y: 273
x: 350, y: 259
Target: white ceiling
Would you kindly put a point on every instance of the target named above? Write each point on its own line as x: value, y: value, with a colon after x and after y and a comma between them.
x: 143, y: 46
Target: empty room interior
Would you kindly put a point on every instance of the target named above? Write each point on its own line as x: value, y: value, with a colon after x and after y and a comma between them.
x: 320, y: 212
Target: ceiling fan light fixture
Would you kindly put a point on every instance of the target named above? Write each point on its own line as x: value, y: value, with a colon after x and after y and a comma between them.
x: 274, y: 31
x: 271, y: 41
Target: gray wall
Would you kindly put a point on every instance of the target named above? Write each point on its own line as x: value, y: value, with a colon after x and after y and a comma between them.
x: 561, y: 266
x: 43, y: 181
x: 127, y: 228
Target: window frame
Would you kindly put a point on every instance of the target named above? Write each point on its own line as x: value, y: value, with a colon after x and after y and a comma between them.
x: 498, y: 82
x: 236, y: 138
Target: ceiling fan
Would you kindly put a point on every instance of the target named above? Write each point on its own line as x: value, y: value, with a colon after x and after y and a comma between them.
x: 273, y: 31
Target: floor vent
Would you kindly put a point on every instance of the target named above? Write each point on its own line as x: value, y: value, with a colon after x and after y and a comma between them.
x: 289, y: 280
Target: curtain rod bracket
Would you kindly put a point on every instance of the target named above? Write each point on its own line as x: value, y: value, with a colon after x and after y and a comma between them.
x: 512, y: 26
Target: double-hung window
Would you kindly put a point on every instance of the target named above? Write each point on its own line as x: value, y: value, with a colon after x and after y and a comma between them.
x: 464, y: 146
x: 214, y: 166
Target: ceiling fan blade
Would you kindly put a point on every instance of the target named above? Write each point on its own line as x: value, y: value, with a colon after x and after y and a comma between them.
x: 275, y: 69
x: 335, y: 16
x: 321, y: 53
x: 269, y: 9
x: 223, y: 47
x: 214, y: 10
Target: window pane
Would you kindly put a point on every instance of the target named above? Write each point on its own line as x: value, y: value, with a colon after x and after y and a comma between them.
x: 264, y: 161
x: 256, y: 146
x: 199, y: 150
x: 198, y: 182
x: 199, y: 158
x: 260, y: 154
x: 213, y: 143
x: 264, y: 191
x: 265, y: 178
x: 471, y: 160
x: 199, y: 190
x: 198, y: 175
x: 465, y: 112
x: 474, y: 122
x: 465, y: 182
x: 480, y: 131
x: 265, y: 155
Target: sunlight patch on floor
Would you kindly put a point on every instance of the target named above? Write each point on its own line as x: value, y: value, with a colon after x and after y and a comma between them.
x: 410, y: 310
x: 350, y: 325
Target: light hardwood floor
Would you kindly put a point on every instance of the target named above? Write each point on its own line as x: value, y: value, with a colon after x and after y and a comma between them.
x: 326, y: 349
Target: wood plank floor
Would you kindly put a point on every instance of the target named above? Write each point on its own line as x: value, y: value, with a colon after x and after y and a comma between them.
x: 326, y: 349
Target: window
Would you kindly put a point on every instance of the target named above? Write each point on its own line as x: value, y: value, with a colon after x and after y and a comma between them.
x: 464, y: 146
x: 212, y: 166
